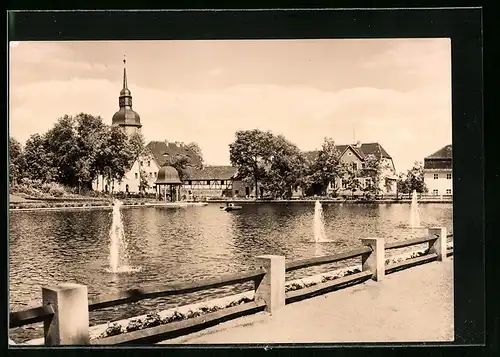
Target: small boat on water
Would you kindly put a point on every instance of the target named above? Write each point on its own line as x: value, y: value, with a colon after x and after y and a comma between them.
x: 231, y: 207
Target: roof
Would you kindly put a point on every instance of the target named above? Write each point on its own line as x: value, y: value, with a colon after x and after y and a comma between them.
x: 163, y: 151
x: 445, y: 153
x: 211, y: 173
x: 126, y: 117
x: 168, y: 175
x: 362, y: 151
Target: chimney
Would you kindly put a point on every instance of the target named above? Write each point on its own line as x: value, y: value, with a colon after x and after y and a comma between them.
x: 358, y: 144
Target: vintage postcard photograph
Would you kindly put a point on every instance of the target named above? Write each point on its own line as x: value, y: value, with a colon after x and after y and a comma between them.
x: 195, y: 192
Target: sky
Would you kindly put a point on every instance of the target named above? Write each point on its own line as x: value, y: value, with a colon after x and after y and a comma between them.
x: 396, y: 92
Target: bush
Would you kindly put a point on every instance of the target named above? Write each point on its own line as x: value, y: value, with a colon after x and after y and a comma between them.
x: 57, y: 190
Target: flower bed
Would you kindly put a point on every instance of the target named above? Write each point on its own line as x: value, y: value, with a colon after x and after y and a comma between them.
x: 156, y: 318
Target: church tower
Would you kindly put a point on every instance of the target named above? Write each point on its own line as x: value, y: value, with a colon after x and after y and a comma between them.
x: 125, y: 117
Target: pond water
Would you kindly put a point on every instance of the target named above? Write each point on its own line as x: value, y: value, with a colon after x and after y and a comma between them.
x: 167, y: 245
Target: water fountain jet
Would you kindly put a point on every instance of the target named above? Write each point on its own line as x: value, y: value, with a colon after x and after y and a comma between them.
x: 414, y: 211
x: 118, y: 257
x: 319, y: 224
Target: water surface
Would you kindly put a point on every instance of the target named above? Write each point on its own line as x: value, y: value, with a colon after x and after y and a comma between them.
x: 185, y: 244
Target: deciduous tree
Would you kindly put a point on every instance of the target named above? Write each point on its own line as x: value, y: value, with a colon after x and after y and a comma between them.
x: 16, y: 160
x: 180, y: 162
x: 286, y: 167
x: 61, y: 142
x: 114, y: 155
x: 326, y: 167
x: 194, y: 147
x: 251, y: 153
x: 39, y: 160
x: 413, y: 179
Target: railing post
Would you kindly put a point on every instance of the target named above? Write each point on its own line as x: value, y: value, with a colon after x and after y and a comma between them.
x: 438, y: 246
x: 375, y: 260
x: 70, y: 323
x: 271, y: 288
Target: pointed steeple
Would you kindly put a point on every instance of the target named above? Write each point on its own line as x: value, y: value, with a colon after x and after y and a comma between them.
x: 125, y: 73
x: 125, y: 117
x: 125, y: 99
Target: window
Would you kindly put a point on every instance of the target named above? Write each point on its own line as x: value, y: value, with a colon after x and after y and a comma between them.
x: 136, y: 175
x: 435, y: 192
x: 236, y: 192
x: 436, y: 176
x: 222, y: 182
x: 140, y: 163
x: 344, y: 184
x: 155, y: 174
x: 448, y: 191
x: 150, y: 174
x: 149, y: 163
x: 368, y: 181
x: 208, y: 182
x: 448, y: 176
x: 190, y: 182
x: 363, y: 165
x: 355, y: 166
x: 349, y: 153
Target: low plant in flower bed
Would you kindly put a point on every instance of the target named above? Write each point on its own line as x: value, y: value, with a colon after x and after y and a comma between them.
x: 403, y: 257
x: 154, y: 319
x: 297, y: 285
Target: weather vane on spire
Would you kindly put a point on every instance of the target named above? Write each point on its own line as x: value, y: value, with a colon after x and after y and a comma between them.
x: 124, y: 59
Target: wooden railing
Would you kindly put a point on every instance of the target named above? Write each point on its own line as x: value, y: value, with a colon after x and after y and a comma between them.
x: 65, y: 309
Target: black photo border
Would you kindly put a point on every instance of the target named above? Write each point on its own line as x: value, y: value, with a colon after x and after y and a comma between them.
x: 463, y: 26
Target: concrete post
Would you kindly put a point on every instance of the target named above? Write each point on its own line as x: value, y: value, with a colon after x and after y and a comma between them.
x: 375, y: 260
x: 439, y: 245
x: 271, y: 288
x: 70, y: 323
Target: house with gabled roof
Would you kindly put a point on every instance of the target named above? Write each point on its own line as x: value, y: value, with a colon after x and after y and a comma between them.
x: 355, y: 155
x: 210, y: 181
x: 438, y: 172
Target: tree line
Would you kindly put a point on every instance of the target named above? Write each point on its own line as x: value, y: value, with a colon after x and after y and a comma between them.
x: 78, y: 149
x: 279, y: 167
x: 74, y: 152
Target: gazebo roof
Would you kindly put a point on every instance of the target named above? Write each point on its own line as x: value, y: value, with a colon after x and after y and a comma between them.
x: 168, y: 175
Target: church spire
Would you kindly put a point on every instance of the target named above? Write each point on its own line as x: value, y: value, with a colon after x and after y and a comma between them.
x: 125, y: 73
x: 125, y: 99
x: 125, y: 117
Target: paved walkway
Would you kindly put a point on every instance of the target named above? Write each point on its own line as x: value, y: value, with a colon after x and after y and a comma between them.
x: 414, y: 305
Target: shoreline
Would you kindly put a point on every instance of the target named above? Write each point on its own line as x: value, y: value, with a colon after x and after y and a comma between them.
x: 206, y: 203
x: 110, y: 207
x: 312, y: 201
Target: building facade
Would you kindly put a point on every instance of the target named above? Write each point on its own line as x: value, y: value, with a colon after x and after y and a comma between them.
x: 210, y: 181
x: 438, y: 175
x: 355, y: 156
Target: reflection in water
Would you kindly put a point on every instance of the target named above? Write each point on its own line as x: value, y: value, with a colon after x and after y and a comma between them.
x: 186, y: 244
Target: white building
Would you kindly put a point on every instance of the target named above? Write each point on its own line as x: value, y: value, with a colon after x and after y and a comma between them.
x: 438, y: 172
